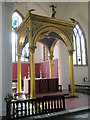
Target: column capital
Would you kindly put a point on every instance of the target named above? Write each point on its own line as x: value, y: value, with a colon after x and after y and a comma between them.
x: 32, y: 49
x: 51, y: 56
x: 19, y: 55
x: 70, y: 52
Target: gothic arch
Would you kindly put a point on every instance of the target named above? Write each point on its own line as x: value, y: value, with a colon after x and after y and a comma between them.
x: 66, y: 38
x: 21, y: 15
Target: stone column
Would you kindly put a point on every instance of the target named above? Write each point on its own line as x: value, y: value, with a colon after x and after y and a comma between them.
x: 19, y: 74
x: 72, y: 82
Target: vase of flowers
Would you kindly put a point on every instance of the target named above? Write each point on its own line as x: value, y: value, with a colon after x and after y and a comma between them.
x: 8, y: 97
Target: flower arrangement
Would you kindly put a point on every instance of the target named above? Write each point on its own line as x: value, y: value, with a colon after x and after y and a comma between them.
x: 9, y: 97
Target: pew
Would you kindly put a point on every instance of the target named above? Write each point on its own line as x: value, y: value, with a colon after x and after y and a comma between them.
x: 81, y: 88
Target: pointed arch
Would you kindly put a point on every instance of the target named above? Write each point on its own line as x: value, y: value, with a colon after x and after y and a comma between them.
x: 15, y: 23
x: 80, y: 46
x: 20, y: 14
x: 57, y: 30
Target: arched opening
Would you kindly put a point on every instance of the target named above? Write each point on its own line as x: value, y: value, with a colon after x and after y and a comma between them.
x: 79, y: 40
x: 47, y: 30
x: 50, y: 38
x: 17, y: 18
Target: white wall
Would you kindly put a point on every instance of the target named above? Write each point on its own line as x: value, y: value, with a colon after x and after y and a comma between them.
x: 65, y: 70
x: 80, y: 73
x: 38, y: 53
x: 60, y: 52
x: 40, y: 8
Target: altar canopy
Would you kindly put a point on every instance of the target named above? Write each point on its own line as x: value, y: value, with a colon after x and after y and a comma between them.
x: 47, y: 31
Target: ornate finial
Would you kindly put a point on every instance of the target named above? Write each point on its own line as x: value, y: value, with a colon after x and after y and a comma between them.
x: 73, y: 20
x: 53, y: 10
x: 31, y: 10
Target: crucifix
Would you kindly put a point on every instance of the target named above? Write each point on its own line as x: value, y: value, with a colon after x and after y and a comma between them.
x: 53, y: 10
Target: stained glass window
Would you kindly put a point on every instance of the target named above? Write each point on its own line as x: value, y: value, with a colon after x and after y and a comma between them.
x: 16, y: 20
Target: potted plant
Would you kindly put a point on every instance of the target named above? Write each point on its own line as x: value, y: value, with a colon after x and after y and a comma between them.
x: 8, y: 97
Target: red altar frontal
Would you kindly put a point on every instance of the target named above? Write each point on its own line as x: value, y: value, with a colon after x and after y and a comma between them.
x: 42, y: 85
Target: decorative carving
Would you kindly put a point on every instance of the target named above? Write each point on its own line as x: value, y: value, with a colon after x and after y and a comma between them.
x: 53, y: 10
x: 19, y: 55
x: 73, y: 20
x: 51, y: 56
x: 28, y: 31
x: 32, y: 48
x: 35, y: 26
x: 31, y: 10
x: 20, y: 49
x: 70, y: 52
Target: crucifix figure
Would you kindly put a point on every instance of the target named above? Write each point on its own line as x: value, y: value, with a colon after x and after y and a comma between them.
x: 53, y: 10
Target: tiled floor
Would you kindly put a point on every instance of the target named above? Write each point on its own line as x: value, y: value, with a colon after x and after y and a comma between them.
x: 76, y: 108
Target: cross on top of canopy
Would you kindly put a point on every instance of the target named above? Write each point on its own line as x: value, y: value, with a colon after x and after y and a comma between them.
x: 45, y: 30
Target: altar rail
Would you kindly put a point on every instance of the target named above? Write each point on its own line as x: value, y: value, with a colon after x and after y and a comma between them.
x: 32, y: 107
x: 82, y: 88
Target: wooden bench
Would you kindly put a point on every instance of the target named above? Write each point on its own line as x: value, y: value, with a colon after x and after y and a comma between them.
x: 81, y: 88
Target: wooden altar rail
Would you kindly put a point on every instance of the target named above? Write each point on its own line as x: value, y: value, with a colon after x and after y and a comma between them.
x: 32, y: 107
x: 82, y: 88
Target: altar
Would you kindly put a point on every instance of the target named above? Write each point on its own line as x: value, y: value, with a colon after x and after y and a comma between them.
x: 42, y: 85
